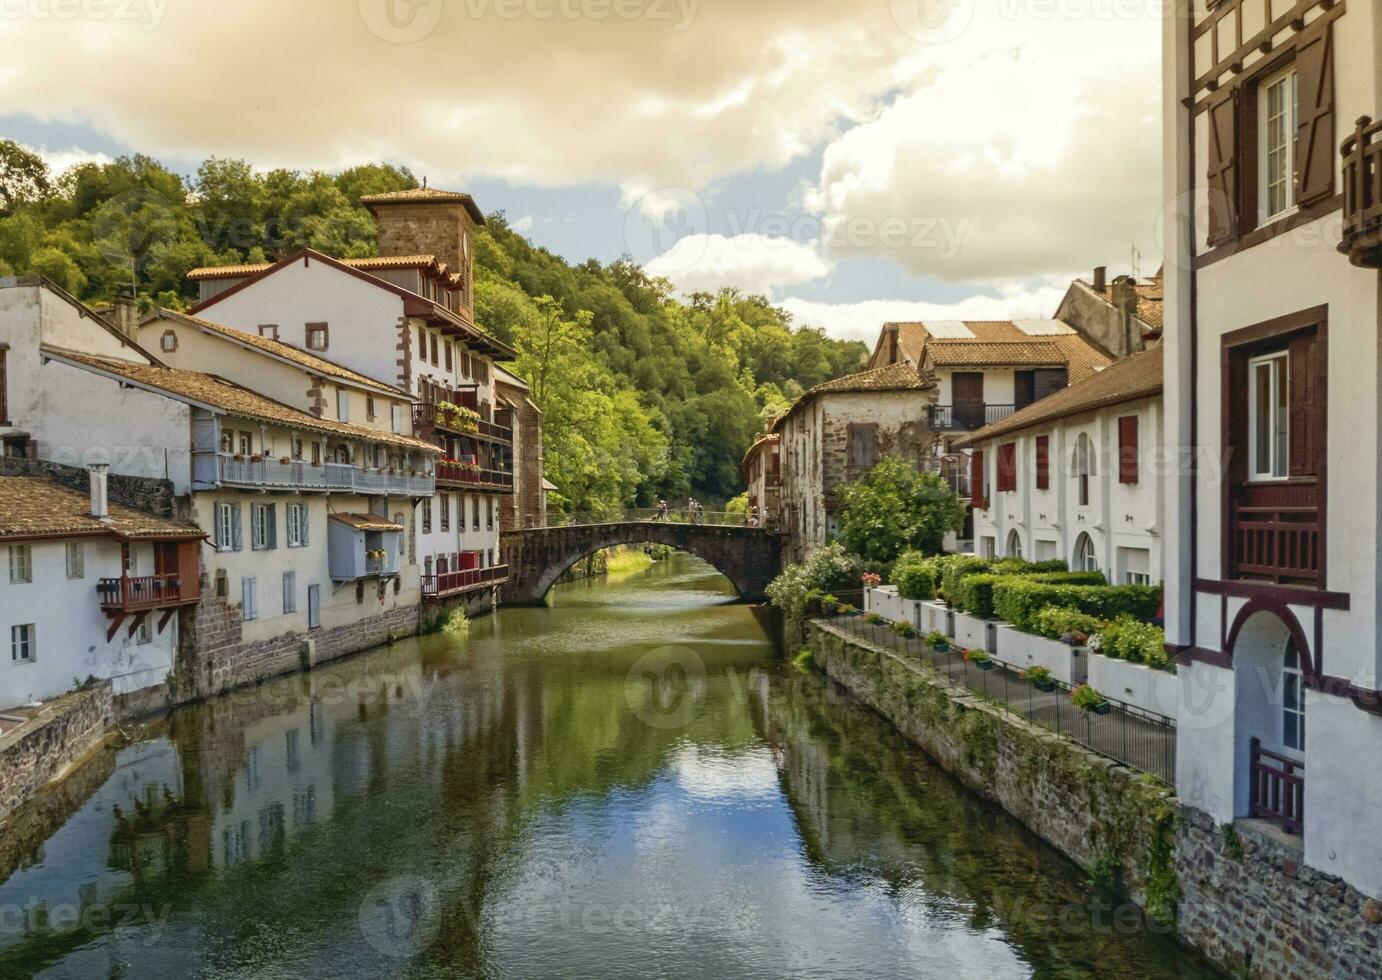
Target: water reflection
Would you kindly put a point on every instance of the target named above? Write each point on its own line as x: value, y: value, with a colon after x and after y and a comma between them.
x: 627, y: 783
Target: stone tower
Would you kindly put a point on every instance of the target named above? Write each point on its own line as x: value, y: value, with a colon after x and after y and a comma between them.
x: 427, y: 221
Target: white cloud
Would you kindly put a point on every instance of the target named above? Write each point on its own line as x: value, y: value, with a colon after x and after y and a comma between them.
x: 59, y: 160
x: 753, y: 263
x: 861, y: 321
x: 523, y: 225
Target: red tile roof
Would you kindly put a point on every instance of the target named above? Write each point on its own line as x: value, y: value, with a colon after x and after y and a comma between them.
x: 425, y: 195
x: 34, y: 507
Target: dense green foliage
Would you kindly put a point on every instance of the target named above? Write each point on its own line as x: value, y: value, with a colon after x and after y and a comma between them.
x: 976, y: 592
x: 894, y: 509
x: 1019, y: 600
x: 828, y: 570
x: 644, y: 396
x: 1130, y: 639
x: 1059, y: 621
x: 914, y: 574
x: 956, y: 568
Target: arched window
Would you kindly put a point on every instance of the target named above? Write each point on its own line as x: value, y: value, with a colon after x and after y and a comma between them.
x: 1292, y: 700
x: 1014, y: 545
x: 1086, y: 560
x: 1082, y: 466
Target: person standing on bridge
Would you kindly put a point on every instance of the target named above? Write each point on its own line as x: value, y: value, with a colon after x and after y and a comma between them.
x: 662, y: 510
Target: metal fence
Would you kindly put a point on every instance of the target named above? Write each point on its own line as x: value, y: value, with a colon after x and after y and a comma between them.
x: 1127, y: 734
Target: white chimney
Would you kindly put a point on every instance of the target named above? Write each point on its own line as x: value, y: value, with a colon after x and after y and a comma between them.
x: 100, y: 490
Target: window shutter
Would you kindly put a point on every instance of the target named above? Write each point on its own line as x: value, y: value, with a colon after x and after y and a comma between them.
x: 1307, y: 403
x: 1127, y: 449
x: 1043, y: 462
x: 1007, y: 467
x: 1223, y: 167
x: 1315, y: 122
x: 237, y: 541
x: 271, y: 518
x: 302, y: 523
x: 976, y: 476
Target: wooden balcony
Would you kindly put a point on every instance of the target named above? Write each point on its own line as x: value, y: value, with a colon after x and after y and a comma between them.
x: 966, y: 418
x: 1362, y: 235
x: 427, y: 417
x: 1277, y: 544
x: 447, y: 584
x: 295, y: 474
x: 468, y: 476
x: 1277, y: 787
x: 136, y: 596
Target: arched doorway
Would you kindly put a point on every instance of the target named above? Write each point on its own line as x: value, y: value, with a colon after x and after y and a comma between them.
x: 1085, y: 559
x: 1014, y: 546
x: 1271, y: 662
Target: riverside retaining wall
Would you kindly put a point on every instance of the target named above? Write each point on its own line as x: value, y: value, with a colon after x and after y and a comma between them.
x: 42, y: 748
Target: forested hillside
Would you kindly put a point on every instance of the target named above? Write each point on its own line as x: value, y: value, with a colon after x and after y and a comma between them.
x: 644, y: 395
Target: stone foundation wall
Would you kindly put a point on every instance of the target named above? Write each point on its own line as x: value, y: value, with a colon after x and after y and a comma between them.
x: 42, y: 748
x: 480, y: 603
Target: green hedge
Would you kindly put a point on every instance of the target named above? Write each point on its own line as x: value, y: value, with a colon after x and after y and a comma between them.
x: 961, y: 567
x: 1130, y: 639
x: 1054, y: 622
x: 976, y: 595
x: 1019, y: 600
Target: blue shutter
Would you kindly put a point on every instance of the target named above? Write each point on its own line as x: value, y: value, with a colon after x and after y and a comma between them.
x: 237, y: 541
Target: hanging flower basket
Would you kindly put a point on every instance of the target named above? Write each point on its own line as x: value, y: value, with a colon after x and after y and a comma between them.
x: 980, y: 659
x: 1040, y: 678
x: 939, y: 641
x: 1089, y: 700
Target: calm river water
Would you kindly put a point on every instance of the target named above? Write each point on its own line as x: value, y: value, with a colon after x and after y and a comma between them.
x: 629, y: 783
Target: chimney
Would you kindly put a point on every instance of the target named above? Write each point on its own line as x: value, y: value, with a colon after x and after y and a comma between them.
x: 125, y: 313
x: 100, y: 490
x: 1124, y: 300
x: 1100, y: 278
x: 894, y: 354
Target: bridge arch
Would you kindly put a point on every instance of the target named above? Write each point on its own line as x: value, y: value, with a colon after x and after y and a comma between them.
x: 537, y: 557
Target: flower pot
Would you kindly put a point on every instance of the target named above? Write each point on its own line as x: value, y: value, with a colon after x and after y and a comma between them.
x: 1102, y: 708
x: 1046, y: 687
x: 941, y: 646
x: 983, y: 664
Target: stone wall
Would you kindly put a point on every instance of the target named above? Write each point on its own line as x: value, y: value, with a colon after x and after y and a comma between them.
x: 478, y: 603
x: 1108, y: 819
x: 1252, y: 906
x: 525, y: 506
x: 142, y: 493
x: 42, y: 748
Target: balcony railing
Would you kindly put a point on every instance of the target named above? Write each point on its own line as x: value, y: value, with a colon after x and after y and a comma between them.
x: 472, y: 476
x: 426, y: 415
x: 1278, y: 788
x: 1277, y: 543
x: 300, y: 475
x: 965, y: 418
x: 1362, y: 153
x: 145, y: 592
x: 453, y: 583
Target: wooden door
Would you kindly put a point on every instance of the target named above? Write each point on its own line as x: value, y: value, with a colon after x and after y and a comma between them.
x: 967, y: 388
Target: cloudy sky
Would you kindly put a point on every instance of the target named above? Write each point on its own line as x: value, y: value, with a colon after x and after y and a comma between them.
x: 856, y: 160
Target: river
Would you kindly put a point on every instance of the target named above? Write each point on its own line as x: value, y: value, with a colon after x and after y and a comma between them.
x: 628, y: 783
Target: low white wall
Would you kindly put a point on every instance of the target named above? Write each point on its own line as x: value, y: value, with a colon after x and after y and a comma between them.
x: 971, y: 633
x: 885, y: 601
x: 1145, y: 688
x: 934, y: 617
x: 1066, y: 663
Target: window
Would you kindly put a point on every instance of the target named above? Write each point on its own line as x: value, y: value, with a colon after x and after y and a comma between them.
x: 1268, y: 417
x: 475, y: 512
x: 465, y: 365
x: 130, y: 558
x: 1043, y: 462
x: 445, y: 501
x: 988, y: 547
x: 248, y: 608
x: 269, y: 330
x: 76, y: 559
x: 4, y: 407
x: 396, y: 417
x: 1276, y: 153
x: 1292, y: 700
x: 316, y: 454
x: 1007, y: 467
x: 246, y: 444
x: 489, y: 513
x: 1082, y: 466
x: 297, y: 526
x: 1085, y: 558
x: 143, y: 634
x: 21, y: 564
x: 290, y: 592
x: 449, y: 356
x: 1127, y: 450
x: 434, y: 349
x: 263, y: 527
x: 317, y: 336
x: 369, y: 407
x: 22, y: 644
x: 1014, y: 545
x: 227, y: 527
x: 1136, y: 565
x: 342, y: 405
x: 427, y: 515
x: 168, y: 343
x: 861, y: 444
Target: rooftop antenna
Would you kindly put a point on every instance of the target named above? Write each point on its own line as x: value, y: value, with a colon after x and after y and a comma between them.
x: 1136, y: 263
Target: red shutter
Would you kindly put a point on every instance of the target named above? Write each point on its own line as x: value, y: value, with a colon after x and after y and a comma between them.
x: 1007, y: 467
x: 976, y: 476
x: 1223, y: 167
x: 1315, y: 125
x: 1306, y: 398
x: 1127, y: 449
x: 4, y: 406
x: 1043, y: 462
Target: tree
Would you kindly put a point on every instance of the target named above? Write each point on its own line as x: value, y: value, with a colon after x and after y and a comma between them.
x: 23, y: 176
x: 894, y: 509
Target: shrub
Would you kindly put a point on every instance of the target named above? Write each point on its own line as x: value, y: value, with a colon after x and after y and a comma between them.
x: 1086, y: 698
x: 1137, y: 642
x: 832, y: 569
x: 904, y: 629
x: 1058, y: 621
x: 976, y: 591
x: 873, y: 619
x: 1037, y: 674
x: 915, y: 577
x: 957, y: 570
x: 1019, y: 600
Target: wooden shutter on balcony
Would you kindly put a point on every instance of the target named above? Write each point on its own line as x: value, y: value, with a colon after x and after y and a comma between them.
x: 1043, y: 462
x: 1223, y: 167
x: 976, y: 476
x: 1127, y: 449
x: 1007, y: 467
x: 3, y: 404
x: 1315, y: 123
x: 1307, y: 406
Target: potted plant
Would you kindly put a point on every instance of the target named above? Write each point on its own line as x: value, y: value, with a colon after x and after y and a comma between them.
x: 904, y: 629
x: 1088, y: 700
x: 873, y: 619
x: 979, y: 658
x: 829, y: 603
x: 285, y: 460
x: 813, y: 599
x: 1040, y: 678
x: 846, y: 609
x: 871, y: 580
x: 939, y: 641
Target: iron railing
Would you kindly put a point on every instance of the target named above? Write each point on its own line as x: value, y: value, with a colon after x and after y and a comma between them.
x: 963, y: 418
x: 297, y: 474
x: 1278, y: 788
x: 1127, y: 734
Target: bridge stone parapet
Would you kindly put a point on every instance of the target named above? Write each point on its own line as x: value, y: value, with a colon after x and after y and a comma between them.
x: 749, y: 557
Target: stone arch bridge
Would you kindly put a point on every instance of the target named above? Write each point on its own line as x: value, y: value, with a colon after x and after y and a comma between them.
x: 749, y: 557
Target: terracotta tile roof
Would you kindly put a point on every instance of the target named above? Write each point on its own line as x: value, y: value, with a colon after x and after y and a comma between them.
x: 770, y: 439
x: 889, y: 377
x: 1017, y: 353
x: 1138, y: 376
x: 277, y: 348
x: 367, y: 522
x: 425, y: 195
x: 1082, y: 356
x: 208, y: 389
x: 33, y: 507
x: 369, y: 263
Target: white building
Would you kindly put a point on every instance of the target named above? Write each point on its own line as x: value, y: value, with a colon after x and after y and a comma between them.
x: 1075, y: 476
x: 1273, y: 359
x: 89, y: 588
